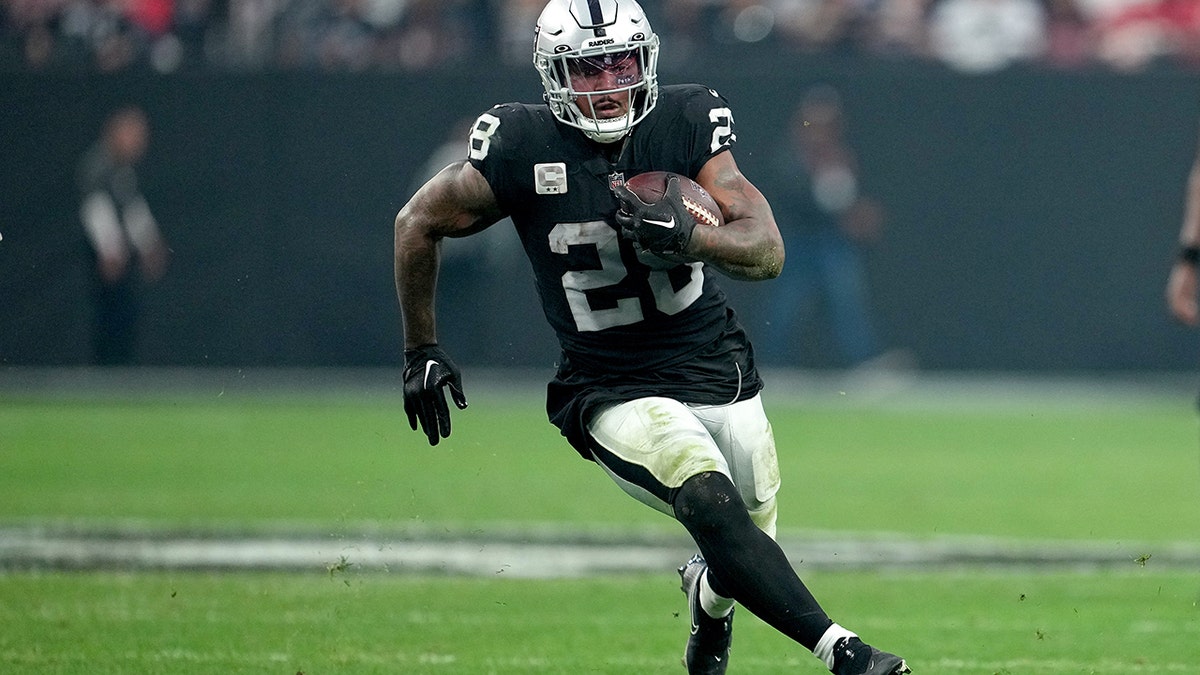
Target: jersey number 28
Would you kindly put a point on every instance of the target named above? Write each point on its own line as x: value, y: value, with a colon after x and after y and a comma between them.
x: 611, y: 272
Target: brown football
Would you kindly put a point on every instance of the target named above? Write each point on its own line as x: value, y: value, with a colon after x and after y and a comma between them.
x: 650, y: 186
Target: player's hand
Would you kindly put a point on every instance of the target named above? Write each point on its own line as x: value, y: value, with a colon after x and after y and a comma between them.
x: 662, y: 227
x: 427, y: 370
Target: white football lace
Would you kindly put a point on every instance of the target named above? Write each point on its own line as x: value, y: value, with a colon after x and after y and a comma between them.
x: 700, y: 213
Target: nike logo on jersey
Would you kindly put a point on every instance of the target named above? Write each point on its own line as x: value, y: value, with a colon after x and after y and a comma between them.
x: 667, y: 224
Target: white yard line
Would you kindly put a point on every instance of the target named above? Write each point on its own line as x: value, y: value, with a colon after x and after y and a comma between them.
x: 541, y: 557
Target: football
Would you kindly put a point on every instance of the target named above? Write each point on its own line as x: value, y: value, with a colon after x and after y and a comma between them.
x: 650, y: 186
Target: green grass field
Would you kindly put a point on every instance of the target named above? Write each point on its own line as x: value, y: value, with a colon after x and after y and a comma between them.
x: 1037, y: 470
x: 1109, y: 472
x: 1139, y: 621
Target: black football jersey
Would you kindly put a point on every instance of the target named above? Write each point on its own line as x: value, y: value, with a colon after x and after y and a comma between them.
x: 625, y: 318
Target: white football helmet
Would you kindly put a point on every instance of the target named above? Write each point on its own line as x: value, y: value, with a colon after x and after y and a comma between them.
x: 588, y: 36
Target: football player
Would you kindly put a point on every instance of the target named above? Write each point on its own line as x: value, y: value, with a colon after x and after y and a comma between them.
x: 656, y: 382
x: 1181, y: 284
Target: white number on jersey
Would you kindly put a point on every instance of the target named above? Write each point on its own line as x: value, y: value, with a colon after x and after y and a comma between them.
x: 611, y: 272
x: 723, y: 134
x: 481, y: 136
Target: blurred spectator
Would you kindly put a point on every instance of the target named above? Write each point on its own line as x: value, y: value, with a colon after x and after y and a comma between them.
x: 974, y: 36
x: 980, y: 36
x: 126, y: 246
x: 739, y: 22
x: 193, y: 23
x: 899, y: 29
x: 250, y: 39
x: 27, y: 27
x: 106, y: 35
x: 684, y: 23
x: 1181, y: 284
x: 331, y: 36
x: 514, y: 34
x: 1137, y: 35
x: 826, y: 222
x: 431, y: 34
x: 1070, y: 36
x: 825, y: 26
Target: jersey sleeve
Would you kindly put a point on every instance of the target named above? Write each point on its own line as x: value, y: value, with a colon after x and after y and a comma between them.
x: 710, y: 126
x: 493, y: 136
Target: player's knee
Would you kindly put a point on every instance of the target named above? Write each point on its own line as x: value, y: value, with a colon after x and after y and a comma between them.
x: 708, y: 503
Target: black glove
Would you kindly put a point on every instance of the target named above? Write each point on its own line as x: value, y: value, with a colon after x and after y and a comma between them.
x: 426, y: 370
x: 662, y: 227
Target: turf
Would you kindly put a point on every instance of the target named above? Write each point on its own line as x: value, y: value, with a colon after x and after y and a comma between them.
x: 1028, y: 470
x: 1108, y: 473
x: 1136, y: 621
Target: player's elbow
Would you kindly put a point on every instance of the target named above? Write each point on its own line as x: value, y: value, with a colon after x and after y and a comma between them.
x: 769, y: 264
x: 402, y: 218
x: 768, y: 257
x: 411, y: 233
x: 758, y: 266
x: 412, y: 220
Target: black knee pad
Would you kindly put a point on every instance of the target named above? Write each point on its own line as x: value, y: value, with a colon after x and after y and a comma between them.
x: 708, y: 503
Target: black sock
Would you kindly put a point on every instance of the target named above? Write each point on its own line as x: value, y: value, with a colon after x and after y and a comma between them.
x: 744, y: 563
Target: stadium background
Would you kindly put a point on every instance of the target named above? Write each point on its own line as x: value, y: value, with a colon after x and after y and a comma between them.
x: 1045, y: 524
x: 1032, y: 210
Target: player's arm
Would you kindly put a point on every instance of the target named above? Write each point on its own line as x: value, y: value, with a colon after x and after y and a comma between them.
x: 748, y: 246
x: 1181, y: 284
x: 455, y: 203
